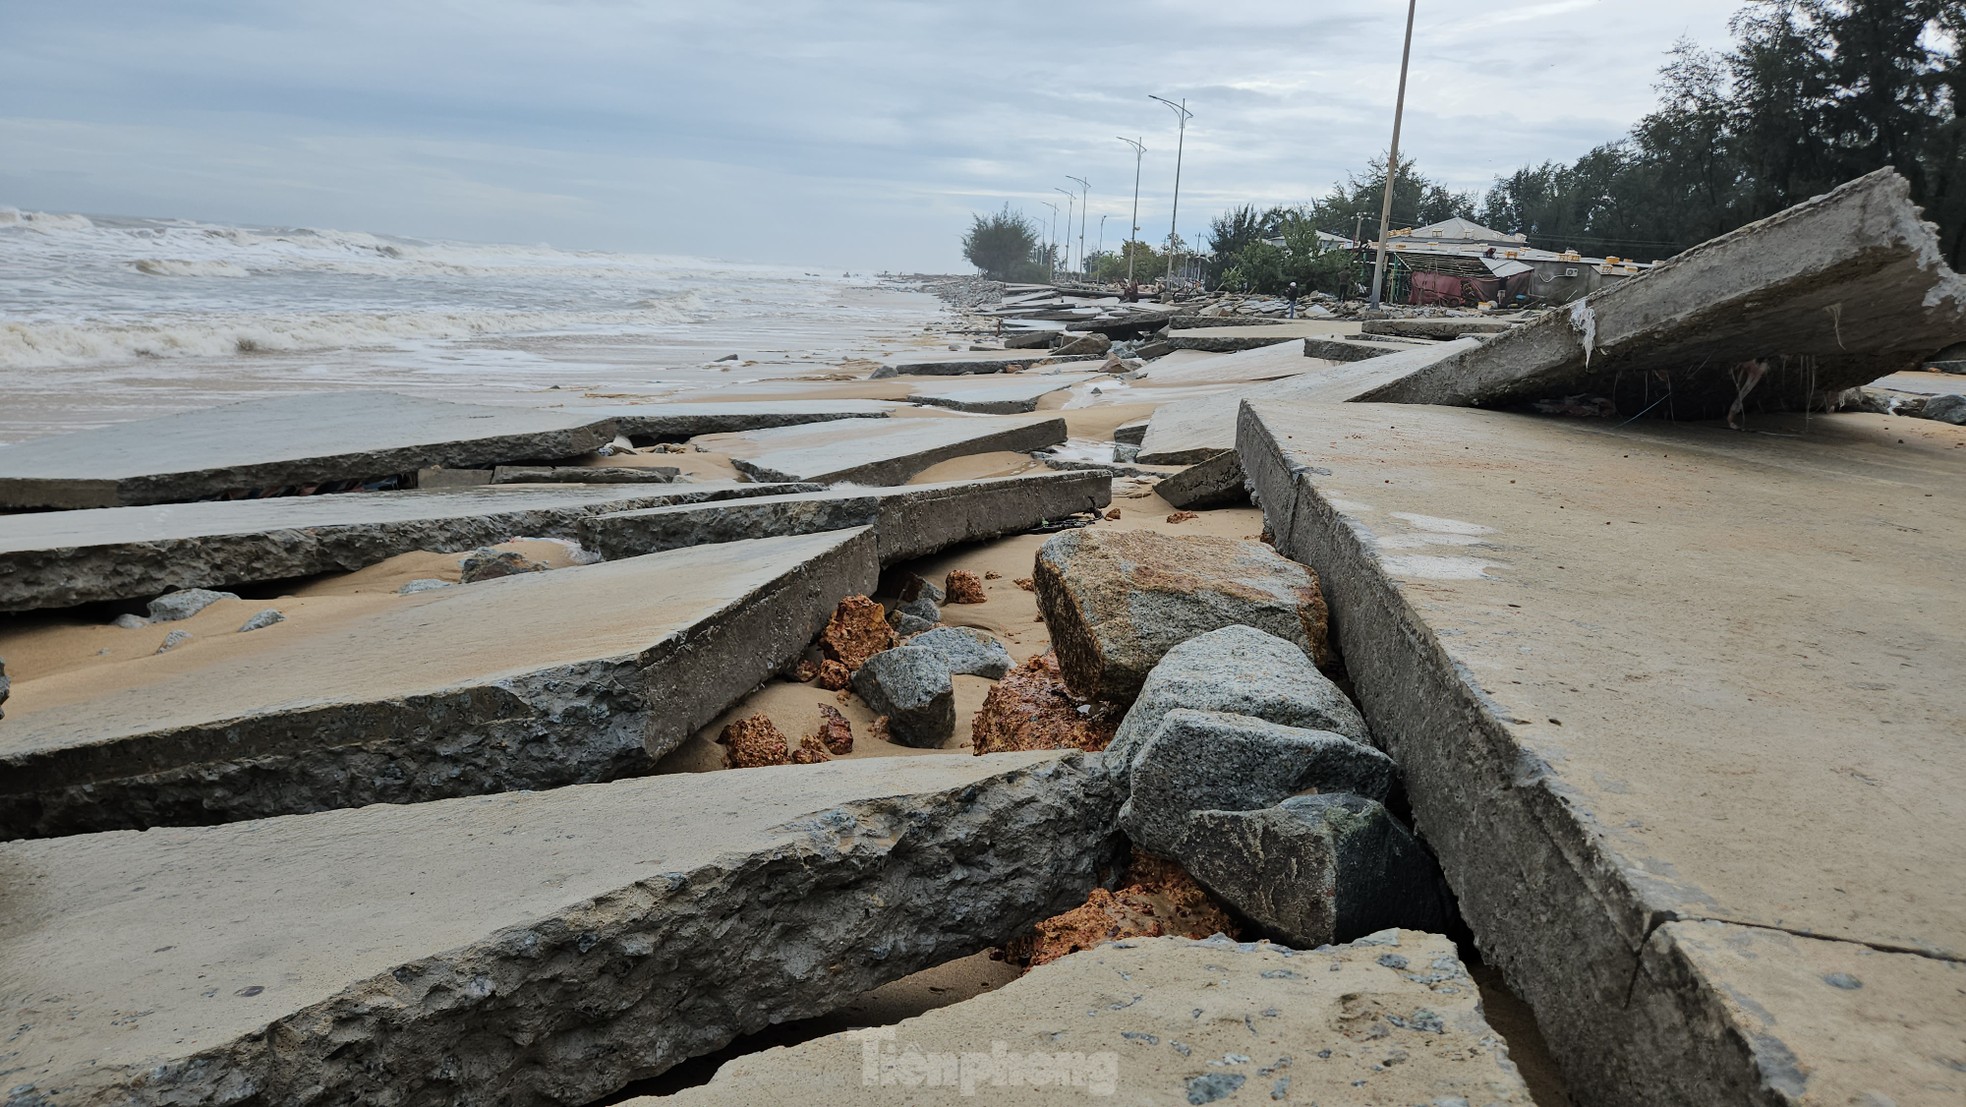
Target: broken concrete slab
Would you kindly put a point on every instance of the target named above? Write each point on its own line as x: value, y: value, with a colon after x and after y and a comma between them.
x: 61, y: 559
x: 1131, y: 434
x: 908, y: 521
x: 399, y: 952
x: 1393, y: 1018
x: 1229, y: 339
x: 1828, y: 295
x: 1347, y: 350
x: 282, y: 441
x: 678, y: 422
x: 962, y: 364
x: 1117, y: 601
x: 1211, y: 483
x: 1622, y: 688
x: 1000, y: 395
x: 583, y: 474
x: 532, y: 681
x: 888, y: 454
x: 1317, y: 869
x: 1189, y: 432
x: 1452, y: 326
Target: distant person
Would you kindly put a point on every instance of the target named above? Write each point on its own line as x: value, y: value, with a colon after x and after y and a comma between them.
x: 1290, y: 301
x: 1133, y: 292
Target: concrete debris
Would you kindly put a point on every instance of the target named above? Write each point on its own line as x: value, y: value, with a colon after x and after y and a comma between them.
x: 1344, y: 351
x: 1518, y: 652
x: 964, y: 586
x: 966, y: 651
x: 1828, y: 295
x: 1238, y: 670
x: 909, y: 521
x: 1454, y: 327
x: 1002, y: 395
x: 397, y: 952
x: 297, y: 441
x: 262, y: 620
x: 1117, y: 601
x: 912, y: 687
x: 422, y: 584
x: 1230, y: 339
x: 184, y: 604
x: 1318, y: 869
x: 539, y: 680
x: 59, y: 559
x: 1169, y: 1021
x: 486, y: 563
x: 1092, y: 343
x: 645, y: 424
x: 171, y: 641
x: 753, y: 742
x: 964, y: 364
x: 1210, y: 761
x: 1031, y: 709
x: 856, y: 631
x: 1212, y: 483
x: 583, y: 474
x: 891, y: 454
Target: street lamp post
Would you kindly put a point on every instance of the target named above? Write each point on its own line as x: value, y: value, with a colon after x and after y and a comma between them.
x: 1071, y: 198
x: 1182, y: 112
x: 1085, y: 204
x: 1392, y: 160
x: 1051, y: 249
x: 1102, y: 235
x: 1138, y: 150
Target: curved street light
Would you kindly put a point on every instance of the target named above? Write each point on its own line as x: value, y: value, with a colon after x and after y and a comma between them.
x: 1085, y: 203
x: 1181, y: 110
x: 1051, y: 250
x: 1392, y: 162
x: 1071, y: 198
x: 1138, y: 150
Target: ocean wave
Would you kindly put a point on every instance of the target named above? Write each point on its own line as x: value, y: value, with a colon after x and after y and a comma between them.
x: 178, y: 267
x: 45, y: 220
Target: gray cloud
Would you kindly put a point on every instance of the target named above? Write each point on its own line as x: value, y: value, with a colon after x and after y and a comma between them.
x: 845, y: 134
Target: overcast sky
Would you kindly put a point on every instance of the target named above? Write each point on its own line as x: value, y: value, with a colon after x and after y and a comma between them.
x: 844, y: 133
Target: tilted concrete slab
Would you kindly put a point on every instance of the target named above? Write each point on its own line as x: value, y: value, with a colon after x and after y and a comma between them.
x: 531, y: 681
x: 955, y: 364
x: 1392, y: 1019
x: 530, y: 948
x: 887, y: 453
x: 286, y: 440
x: 1189, y: 432
x: 1226, y: 339
x: 1351, y: 349
x: 999, y: 395
x: 676, y: 422
x: 908, y: 522
x: 1211, y: 483
x: 1833, y: 293
x: 65, y: 558
x: 1657, y: 677
x: 1452, y: 326
x: 584, y: 474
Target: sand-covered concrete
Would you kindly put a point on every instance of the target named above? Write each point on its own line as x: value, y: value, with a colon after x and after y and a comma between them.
x: 888, y: 453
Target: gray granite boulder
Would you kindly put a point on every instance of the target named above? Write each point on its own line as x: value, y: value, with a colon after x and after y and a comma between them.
x: 173, y: 640
x: 171, y: 607
x: 485, y: 563
x: 1209, y: 760
x: 1947, y: 409
x: 1243, y: 671
x: 1091, y: 343
x: 127, y: 621
x: 1319, y: 869
x: 967, y: 651
x: 912, y: 686
x: 263, y: 620
x: 1116, y: 601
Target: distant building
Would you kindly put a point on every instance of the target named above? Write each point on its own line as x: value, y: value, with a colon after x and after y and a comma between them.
x: 1460, y: 262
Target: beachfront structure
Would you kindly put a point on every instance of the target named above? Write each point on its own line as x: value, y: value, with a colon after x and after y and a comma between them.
x: 1460, y: 262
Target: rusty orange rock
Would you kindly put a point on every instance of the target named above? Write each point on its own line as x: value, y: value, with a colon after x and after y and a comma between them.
x: 1155, y: 898
x: 1031, y: 709
x: 964, y: 586
x: 1182, y: 516
x: 833, y: 676
x: 752, y: 742
x: 857, y: 631
x: 835, y: 733
x: 806, y: 672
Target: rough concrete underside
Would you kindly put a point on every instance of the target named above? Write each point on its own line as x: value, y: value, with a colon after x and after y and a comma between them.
x: 1003, y: 394
x: 1227, y: 339
x: 285, y: 440
x: 1679, y: 709
x: 529, y: 681
x: 958, y: 363
x: 1390, y: 1020
x: 1188, y: 432
x: 1834, y: 293
x: 676, y: 422
x: 517, y: 949
x: 887, y: 453
x: 59, y: 559
x: 908, y: 522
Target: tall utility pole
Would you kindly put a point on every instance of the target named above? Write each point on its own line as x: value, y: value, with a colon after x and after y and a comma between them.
x: 1392, y: 160
x: 1138, y: 150
x: 1051, y: 248
x: 1102, y: 234
x: 1085, y: 203
x: 1071, y: 198
x: 1180, y: 110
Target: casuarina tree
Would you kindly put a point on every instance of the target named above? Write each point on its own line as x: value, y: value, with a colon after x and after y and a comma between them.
x: 1005, y: 247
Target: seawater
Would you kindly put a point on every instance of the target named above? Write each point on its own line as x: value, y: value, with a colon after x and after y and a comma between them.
x: 106, y: 319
